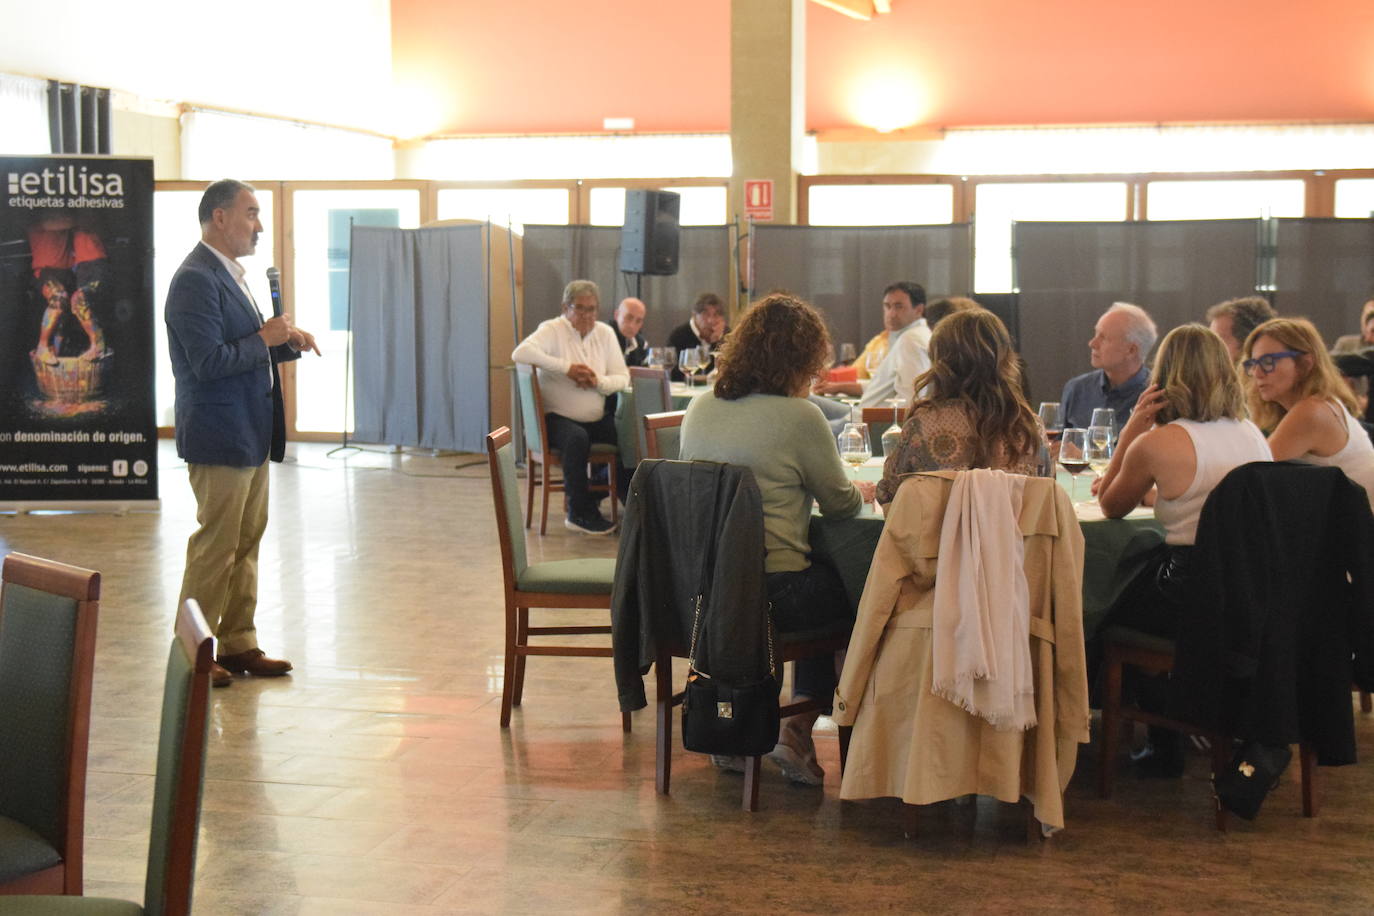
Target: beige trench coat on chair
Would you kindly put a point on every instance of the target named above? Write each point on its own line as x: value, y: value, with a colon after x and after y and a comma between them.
x: 911, y: 744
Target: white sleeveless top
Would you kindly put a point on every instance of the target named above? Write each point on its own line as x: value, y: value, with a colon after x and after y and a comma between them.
x: 1220, y: 446
x: 1356, y: 458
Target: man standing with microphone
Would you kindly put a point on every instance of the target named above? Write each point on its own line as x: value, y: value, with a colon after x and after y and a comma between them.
x: 229, y: 419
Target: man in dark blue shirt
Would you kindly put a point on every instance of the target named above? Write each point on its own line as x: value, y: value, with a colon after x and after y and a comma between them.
x: 1125, y: 334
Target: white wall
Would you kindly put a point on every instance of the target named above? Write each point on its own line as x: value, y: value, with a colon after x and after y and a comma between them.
x: 327, y: 61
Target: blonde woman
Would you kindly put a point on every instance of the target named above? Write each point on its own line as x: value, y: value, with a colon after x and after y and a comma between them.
x: 1187, y: 431
x: 1297, y: 395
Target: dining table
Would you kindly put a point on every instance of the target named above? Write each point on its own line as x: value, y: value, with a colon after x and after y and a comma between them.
x: 1114, y: 550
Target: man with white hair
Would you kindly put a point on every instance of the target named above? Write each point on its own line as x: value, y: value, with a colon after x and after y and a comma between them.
x: 581, y: 363
x: 627, y: 324
x: 1125, y: 334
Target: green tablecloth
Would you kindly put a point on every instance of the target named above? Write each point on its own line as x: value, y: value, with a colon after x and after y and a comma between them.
x: 1114, y: 553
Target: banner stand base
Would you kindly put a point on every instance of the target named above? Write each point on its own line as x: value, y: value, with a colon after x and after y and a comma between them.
x: 94, y: 506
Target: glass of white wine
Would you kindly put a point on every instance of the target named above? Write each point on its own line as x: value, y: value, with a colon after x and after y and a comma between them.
x: 1099, y: 449
x: 688, y: 361
x: 855, y: 448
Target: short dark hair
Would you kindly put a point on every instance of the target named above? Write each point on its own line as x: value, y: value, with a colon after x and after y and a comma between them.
x: 706, y: 301
x: 220, y: 196
x: 943, y: 308
x: 915, y: 291
x: 1246, y: 314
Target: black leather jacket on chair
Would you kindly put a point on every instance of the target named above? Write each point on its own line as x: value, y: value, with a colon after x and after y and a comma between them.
x: 1281, y: 612
x: 690, y: 527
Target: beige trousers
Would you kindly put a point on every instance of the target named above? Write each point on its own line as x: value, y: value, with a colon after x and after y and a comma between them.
x: 222, y: 555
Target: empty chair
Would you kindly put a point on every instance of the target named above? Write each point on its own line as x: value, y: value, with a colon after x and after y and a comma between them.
x: 580, y: 583
x: 537, y: 451
x: 652, y: 394
x: 47, y: 650
x: 177, y: 788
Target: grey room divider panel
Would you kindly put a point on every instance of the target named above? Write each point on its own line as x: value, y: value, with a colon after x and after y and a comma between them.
x: 842, y: 269
x: 1324, y: 270
x: 419, y: 304
x: 1068, y: 274
x: 554, y: 255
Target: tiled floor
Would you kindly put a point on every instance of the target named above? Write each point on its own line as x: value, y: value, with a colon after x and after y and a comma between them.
x: 376, y: 780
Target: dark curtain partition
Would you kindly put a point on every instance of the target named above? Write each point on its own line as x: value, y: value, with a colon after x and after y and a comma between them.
x: 1324, y: 270
x: 419, y: 304
x: 555, y: 255
x: 842, y: 269
x: 1068, y: 274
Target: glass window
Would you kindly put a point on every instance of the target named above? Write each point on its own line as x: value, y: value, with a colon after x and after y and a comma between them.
x: 176, y: 230
x: 1225, y: 199
x: 1355, y: 197
x: 879, y: 204
x: 513, y: 206
x: 997, y: 206
x: 699, y: 206
x: 320, y: 231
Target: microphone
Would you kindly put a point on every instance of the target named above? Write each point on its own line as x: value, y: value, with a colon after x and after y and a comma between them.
x: 274, y: 283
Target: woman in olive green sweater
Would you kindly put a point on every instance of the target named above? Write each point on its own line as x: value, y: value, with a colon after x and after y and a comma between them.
x: 758, y: 416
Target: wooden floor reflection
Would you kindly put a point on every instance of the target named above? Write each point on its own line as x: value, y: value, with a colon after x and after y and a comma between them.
x: 376, y: 779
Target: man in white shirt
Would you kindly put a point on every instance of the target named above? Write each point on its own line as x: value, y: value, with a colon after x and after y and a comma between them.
x: 580, y: 363
x: 908, y: 350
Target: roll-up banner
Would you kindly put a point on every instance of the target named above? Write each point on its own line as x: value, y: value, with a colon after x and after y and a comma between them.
x: 77, y: 422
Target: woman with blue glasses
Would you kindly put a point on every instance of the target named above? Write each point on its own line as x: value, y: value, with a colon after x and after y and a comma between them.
x: 1297, y: 396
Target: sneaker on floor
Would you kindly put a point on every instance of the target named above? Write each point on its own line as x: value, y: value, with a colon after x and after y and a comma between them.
x: 798, y: 769
x: 732, y: 762
x: 588, y: 524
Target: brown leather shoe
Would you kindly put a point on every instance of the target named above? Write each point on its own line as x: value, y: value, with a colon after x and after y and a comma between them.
x: 220, y: 677
x: 256, y: 663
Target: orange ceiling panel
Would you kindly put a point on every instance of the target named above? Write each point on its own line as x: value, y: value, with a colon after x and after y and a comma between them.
x: 541, y: 66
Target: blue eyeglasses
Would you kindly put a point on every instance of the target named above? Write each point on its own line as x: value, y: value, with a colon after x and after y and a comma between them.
x: 1268, y: 361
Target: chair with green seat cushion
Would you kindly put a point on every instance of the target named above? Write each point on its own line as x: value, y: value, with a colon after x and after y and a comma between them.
x: 537, y: 451
x: 653, y: 394
x: 176, y: 792
x: 48, y: 614
x: 580, y: 583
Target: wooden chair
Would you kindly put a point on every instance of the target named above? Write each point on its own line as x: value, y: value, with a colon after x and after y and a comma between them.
x: 581, y: 583
x: 1154, y: 655
x: 538, y: 452
x: 48, y: 614
x: 659, y: 442
x: 790, y: 650
x: 176, y: 791
x: 653, y: 394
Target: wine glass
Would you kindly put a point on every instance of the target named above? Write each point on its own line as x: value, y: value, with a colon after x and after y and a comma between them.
x: 1050, y: 420
x: 854, y: 445
x: 1099, y: 449
x: 847, y: 354
x: 705, y: 357
x: 1073, y: 455
x: 892, y: 436
x: 653, y: 358
x: 1104, y: 416
x: 688, y: 361
x: 667, y: 357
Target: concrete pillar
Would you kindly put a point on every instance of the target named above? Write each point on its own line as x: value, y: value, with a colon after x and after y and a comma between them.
x: 767, y: 99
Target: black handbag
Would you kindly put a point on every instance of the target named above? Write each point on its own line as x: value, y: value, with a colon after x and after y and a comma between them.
x: 729, y: 719
x: 1247, y: 779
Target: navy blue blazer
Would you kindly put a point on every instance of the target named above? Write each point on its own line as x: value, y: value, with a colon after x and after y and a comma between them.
x: 226, y: 411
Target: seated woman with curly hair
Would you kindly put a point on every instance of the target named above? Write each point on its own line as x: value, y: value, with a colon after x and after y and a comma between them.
x: 974, y: 414
x: 758, y: 416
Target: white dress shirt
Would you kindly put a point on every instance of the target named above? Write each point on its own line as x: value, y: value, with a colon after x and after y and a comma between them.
x: 555, y: 346
x: 908, y: 356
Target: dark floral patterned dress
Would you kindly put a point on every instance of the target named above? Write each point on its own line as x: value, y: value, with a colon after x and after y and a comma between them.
x: 938, y: 436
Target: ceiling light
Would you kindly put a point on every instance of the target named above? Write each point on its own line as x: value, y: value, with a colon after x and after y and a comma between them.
x: 618, y: 123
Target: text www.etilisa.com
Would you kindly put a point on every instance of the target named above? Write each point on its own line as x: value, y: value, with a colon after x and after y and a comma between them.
x: 34, y: 467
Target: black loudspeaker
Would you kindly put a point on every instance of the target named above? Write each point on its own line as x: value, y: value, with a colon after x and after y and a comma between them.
x: 648, y: 241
